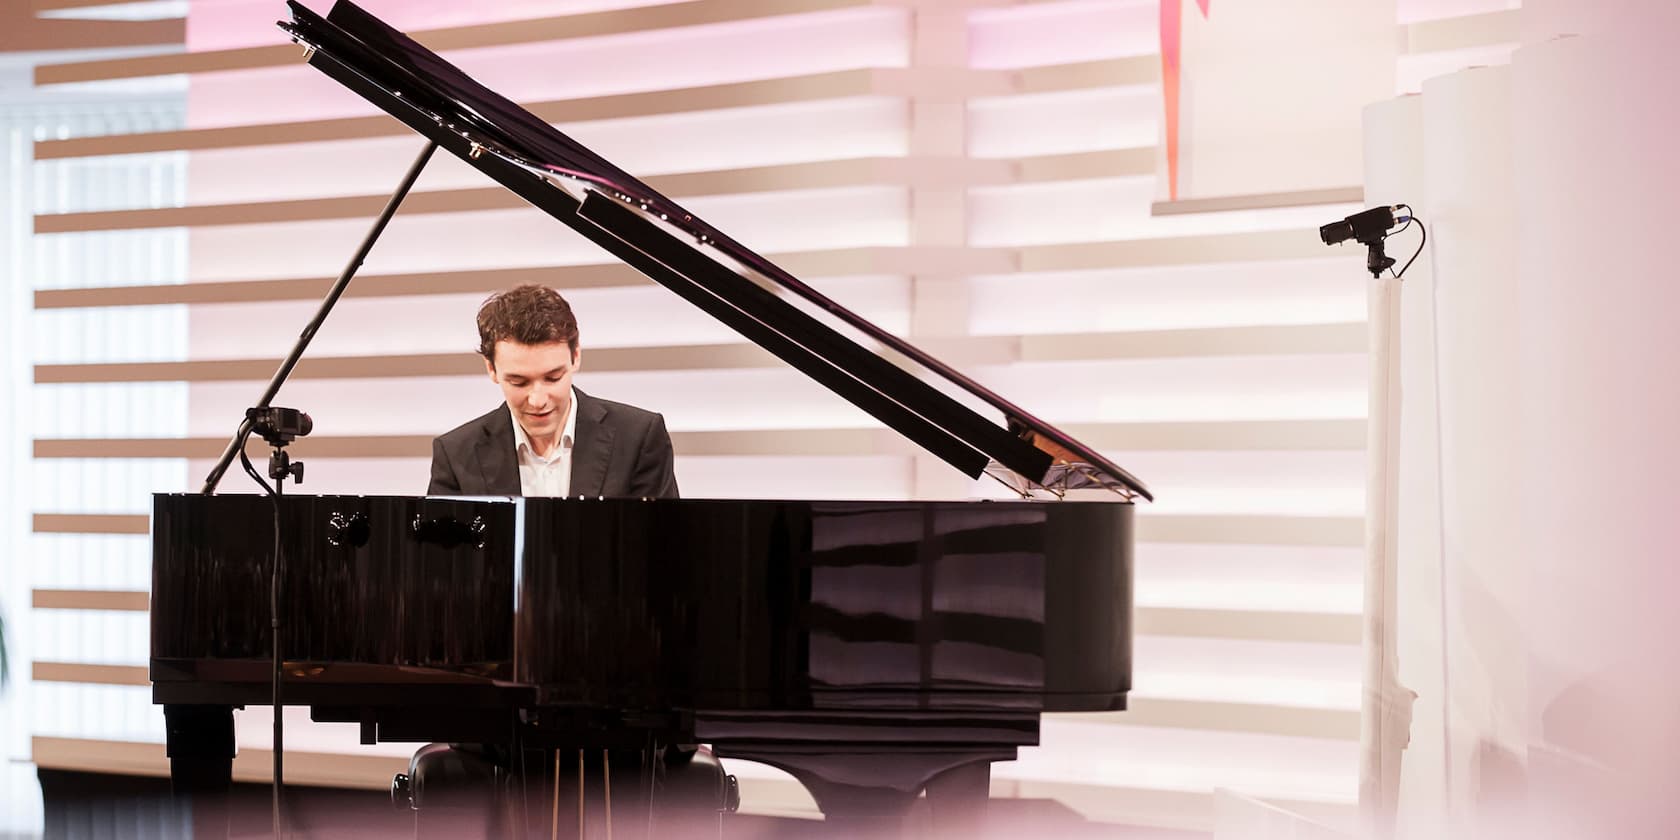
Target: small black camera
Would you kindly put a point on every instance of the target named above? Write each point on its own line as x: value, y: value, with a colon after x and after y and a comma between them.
x: 279, y: 426
x: 1370, y: 228
x: 1364, y: 227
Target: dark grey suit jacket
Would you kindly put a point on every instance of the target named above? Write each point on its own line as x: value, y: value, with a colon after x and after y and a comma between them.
x: 618, y: 450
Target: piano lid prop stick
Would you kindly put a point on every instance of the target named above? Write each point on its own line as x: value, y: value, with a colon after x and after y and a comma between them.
x: 237, y: 444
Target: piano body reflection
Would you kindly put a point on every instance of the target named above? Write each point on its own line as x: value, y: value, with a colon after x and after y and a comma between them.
x: 871, y: 648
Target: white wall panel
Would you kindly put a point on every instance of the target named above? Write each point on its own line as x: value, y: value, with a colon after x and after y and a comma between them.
x: 1278, y: 483
x: 771, y: 47
x: 230, y: 24
x: 1317, y: 291
x: 113, y: 334
x: 128, y: 409
x: 1063, y: 122
x: 861, y: 477
x: 1271, y: 577
x: 99, y: 637
x: 109, y: 258
x: 90, y: 561
x: 1178, y: 759
x: 102, y: 712
x: 1599, y: 408
x: 76, y: 185
x: 691, y: 400
x: 1298, y: 674
x: 413, y: 324
x: 852, y: 217
x: 1413, y: 11
x: 1037, y: 33
x: 1317, y: 64
x: 111, y: 485
x: 1225, y: 388
x: 728, y: 138
x: 1412, y: 71
x: 1114, y: 210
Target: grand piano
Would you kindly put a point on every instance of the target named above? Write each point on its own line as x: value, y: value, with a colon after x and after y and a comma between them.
x: 873, y: 649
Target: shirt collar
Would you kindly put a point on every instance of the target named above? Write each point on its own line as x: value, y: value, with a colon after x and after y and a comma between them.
x: 568, y: 432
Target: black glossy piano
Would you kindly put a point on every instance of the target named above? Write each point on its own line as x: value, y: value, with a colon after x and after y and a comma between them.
x: 873, y: 649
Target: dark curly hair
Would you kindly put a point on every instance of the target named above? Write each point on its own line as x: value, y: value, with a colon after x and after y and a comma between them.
x: 526, y: 315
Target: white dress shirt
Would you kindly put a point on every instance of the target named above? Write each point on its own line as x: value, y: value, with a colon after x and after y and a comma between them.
x: 550, y: 475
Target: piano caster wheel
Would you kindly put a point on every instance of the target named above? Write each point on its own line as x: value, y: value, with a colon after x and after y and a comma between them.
x: 402, y: 793
x: 731, y: 795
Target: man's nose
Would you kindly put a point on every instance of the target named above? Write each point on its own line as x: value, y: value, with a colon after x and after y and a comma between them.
x: 538, y: 398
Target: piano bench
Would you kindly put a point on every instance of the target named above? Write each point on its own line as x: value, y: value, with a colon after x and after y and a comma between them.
x: 440, y: 776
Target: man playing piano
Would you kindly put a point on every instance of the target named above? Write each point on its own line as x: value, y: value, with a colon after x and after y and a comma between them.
x: 548, y: 438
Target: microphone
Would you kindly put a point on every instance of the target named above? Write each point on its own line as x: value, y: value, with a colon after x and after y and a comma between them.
x: 1365, y: 227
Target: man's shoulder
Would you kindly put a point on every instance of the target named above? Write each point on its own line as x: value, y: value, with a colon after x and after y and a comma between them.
x: 613, y: 411
x: 469, y: 431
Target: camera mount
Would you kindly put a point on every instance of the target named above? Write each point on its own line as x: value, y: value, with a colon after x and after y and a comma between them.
x: 280, y: 426
x: 1376, y: 262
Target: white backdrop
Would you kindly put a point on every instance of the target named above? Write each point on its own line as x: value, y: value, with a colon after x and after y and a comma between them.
x: 1540, y: 644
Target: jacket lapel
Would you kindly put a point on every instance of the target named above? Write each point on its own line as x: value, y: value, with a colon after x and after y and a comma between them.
x: 591, y: 449
x: 496, y: 457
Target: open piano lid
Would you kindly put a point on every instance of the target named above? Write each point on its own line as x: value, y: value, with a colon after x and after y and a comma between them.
x: 691, y: 258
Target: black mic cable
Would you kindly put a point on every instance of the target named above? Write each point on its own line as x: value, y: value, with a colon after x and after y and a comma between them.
x: 277, y: 676
x: 1409, y: 218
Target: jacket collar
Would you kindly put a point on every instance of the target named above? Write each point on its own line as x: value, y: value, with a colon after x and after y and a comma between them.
x: 497, y: 460
x: 591, y: 447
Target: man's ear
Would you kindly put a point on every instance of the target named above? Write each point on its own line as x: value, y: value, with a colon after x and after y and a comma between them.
x: 490, y: 367
x: 577, y: 358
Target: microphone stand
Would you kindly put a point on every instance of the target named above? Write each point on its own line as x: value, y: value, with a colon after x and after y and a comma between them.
x: 237, y: 444
x: 280, y: 465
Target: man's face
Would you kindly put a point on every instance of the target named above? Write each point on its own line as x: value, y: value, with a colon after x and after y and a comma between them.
x: 536, y: 379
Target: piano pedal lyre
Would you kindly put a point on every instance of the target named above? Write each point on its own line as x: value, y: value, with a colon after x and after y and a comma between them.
x: 554, y: 803
x: 582, y: 814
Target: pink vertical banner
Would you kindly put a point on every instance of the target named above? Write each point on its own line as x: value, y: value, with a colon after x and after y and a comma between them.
x: 1172, y: 34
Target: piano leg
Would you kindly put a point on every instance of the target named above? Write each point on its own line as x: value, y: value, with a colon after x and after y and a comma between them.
x: 957, y: 799
x: 867, y: 792
x: 200, y: 746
